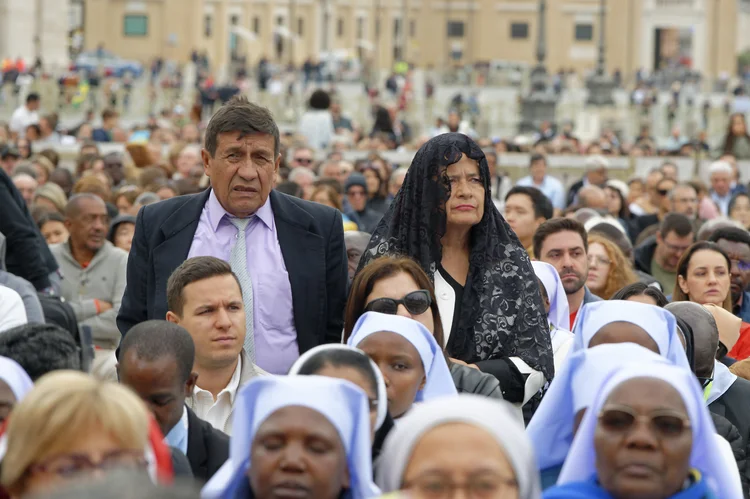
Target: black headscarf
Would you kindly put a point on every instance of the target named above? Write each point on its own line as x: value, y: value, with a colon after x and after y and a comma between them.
x: 502, y: 314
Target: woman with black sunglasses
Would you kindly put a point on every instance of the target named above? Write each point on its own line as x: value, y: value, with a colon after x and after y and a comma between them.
x: 648, y: 434
x: 391, y: 285
x: 444, y: 218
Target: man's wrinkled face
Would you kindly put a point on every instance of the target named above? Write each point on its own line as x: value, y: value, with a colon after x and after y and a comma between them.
x: 242, y: 171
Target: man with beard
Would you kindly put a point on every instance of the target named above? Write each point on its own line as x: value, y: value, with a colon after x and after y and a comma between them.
x: 563, y: 243
x: 736, y: 243
x: 94, y: 276
x: 659, y: 255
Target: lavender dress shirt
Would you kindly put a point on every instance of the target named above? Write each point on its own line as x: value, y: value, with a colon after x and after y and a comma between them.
x: 276, y: 346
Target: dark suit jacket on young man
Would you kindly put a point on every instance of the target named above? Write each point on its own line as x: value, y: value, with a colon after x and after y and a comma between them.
x: 311, y: 238
x: 207, y: 448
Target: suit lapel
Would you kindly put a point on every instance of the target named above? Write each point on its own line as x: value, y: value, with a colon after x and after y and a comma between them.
x: 178, y: 230
x: 304, y: 257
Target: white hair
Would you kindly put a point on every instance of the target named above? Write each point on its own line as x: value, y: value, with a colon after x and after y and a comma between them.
x: 596, y: 162
x: 192, y: 148
x: 23, y: 176
x: 301, y: 171
x: 720, y: 167
x: 399, y: 171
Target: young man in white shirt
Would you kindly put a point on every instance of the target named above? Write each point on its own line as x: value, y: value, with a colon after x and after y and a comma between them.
x: 204, y: 297
x: 24, y: 116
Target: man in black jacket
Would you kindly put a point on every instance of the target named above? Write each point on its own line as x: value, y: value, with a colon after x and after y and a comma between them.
x: 156, y: 361
x: 28, y: 255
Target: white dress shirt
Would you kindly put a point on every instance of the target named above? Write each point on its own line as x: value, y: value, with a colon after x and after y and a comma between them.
x: 217, y: 412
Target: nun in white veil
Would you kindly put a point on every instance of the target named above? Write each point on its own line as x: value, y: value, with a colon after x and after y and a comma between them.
x: 342, y: 404
x: 613, y: 321
x: 588, y: 471
x: 573, y: 390
x: 417, y: 457
x: 558, y: 312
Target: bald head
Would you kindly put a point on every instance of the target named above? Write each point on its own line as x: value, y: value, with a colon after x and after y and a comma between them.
x: 76, y: 204
x: 592, y: 196
x: 705, y: 334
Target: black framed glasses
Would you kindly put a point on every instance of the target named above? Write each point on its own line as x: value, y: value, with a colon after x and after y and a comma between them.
x: 622, y: 420
x: 416, y: 302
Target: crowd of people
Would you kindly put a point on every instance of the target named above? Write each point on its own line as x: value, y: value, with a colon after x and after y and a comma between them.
x: 227, y: 311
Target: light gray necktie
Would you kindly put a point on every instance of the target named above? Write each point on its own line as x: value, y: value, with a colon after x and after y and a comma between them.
x: 238, y: 262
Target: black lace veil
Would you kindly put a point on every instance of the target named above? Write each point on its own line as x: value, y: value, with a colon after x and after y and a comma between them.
x: 502, y: 314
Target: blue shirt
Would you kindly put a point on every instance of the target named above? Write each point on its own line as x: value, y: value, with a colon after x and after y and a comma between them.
x: 550, y: 187
x: 178, y: 435
x: 744, y: 311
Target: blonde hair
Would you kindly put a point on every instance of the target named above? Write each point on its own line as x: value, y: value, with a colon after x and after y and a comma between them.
x: 620, y: 272
x: 63, y: 408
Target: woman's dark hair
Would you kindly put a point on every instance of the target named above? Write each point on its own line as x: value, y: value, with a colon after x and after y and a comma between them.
x: 49, y: 216
x: 383, y: 122
x: 320, y: 100
x: 382, y: 268
x: 624, y: 212
x: 641, y: 288
x: 684, y: 263
x: 340, y: 357
x: 733, y: 201
x: 381, y: 193
x: 730, y: 137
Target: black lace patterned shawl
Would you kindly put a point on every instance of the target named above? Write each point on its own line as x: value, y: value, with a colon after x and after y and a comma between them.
x: 502, y: 314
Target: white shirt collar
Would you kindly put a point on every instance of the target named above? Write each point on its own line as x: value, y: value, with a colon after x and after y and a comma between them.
x: 231, y: 388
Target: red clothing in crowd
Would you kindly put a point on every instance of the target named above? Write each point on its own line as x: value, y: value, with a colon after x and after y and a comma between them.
x: 741, y: 349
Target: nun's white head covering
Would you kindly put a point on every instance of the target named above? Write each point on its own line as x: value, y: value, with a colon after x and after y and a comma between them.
x: 438, y: 382
x: 15, y: 377
x: 581, y: 462
x: 340, y: 402
x: 496, y: 417
x: 658, y: 323
x: 382, y: 391
x: 574, y: 388
x: 559, y: 312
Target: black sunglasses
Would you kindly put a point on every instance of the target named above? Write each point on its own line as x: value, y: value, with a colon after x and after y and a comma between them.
x: 416, y: 302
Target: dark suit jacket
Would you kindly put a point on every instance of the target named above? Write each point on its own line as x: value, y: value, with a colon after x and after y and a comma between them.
x: 311, y: 238
x: 28, y: 255
x: 207, y: 448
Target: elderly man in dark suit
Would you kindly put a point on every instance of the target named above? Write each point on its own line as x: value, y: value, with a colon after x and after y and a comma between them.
x: 156, y: 362
x: 288, y: 254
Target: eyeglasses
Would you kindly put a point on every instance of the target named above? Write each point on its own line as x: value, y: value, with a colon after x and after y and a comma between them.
x: 356, y: 193
x: 674, y: 248
x: 622, y: 419
x: 416, y: 302
x: 599, y: 260
x: 488, y: 485
x: 69, y: 465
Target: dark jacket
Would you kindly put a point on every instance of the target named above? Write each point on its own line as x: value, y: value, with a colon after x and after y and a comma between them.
x: 470, y: 380
x: 573, y: 192
x: 729, y: 432
x: 734, y: 405
x: 367, y: 220
x: 207, y: 448
x: 311, y: 237
x: 644, y: 254
x: 180, y: 464
x: 28, y: 255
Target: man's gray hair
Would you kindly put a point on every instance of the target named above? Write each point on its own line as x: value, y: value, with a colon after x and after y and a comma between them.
x: 301, y: 171
x: 596, y: 162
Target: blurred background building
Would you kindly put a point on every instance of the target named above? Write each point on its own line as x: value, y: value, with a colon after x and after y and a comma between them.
x: 705, y: 35
x: 35, y: 29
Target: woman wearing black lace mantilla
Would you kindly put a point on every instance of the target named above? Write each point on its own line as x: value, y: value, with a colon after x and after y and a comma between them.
x: 487, y: 292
